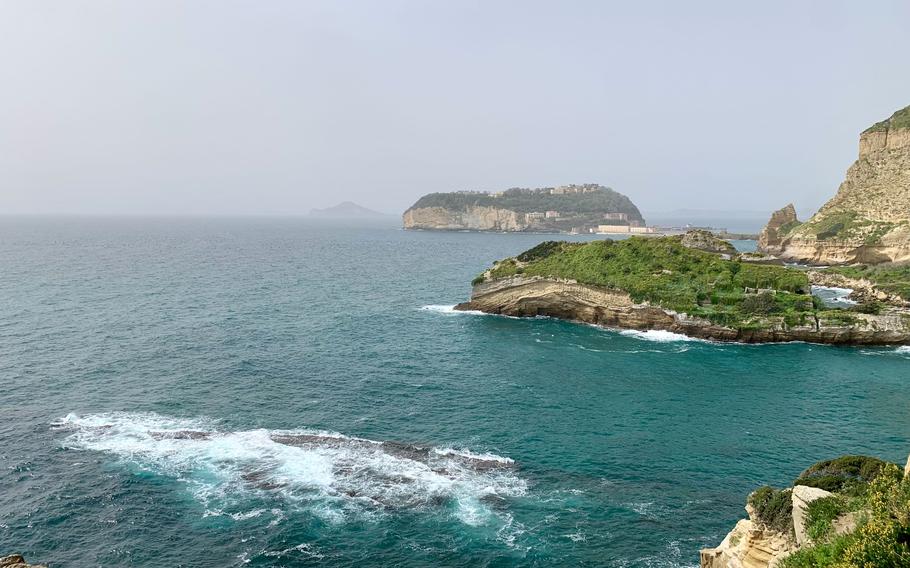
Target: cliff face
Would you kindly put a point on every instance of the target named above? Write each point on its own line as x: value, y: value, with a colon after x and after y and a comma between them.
x: 473, y: 218
x: 16, y: 561
x: 782, y: 220
x: 522, y: 296
x: 868, y: 220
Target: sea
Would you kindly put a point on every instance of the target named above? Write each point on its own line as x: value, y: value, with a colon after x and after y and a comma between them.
x: 285, y: 392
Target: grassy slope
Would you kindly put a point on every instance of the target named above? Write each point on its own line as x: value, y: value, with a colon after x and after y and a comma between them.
x: 663, y: 272
x: 900, y: 119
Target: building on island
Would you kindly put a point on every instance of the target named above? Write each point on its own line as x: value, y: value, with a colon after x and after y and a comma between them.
x: 535, y: 215
x: 552, y: 214
x: 616, y: 216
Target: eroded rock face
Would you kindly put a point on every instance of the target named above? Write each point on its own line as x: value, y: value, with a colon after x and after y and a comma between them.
x: 749, y: 545
x: 868, y: 220
x: 16, y: 561
x: 566, y: 299
x: 770, y: 239
x: 475, y: 218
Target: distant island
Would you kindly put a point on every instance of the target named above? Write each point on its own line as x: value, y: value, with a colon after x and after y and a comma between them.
x: 347, y: 210
x: 696, y: 285
x: 568, y: 209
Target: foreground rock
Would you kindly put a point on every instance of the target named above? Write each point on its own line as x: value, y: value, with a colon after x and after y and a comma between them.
x: 16, y: 561
x: 782, y: 523
x: 522, y: 296
x: 868, y: 221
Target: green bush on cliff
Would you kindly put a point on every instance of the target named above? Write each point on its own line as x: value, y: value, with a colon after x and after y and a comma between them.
x: 834, y: 475
x: 773, y: 507
x: 664, y: 272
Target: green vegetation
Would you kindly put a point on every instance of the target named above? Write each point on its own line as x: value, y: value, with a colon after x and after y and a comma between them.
x: 900, y: 119
x: 820, y: 515
x: 664, y: 272
x: 788, y: 228
x: 890, y: 278
x: 773, y: 507
x: 844, y: 225
x: 882, y: 538
x: 835, y: 475
x: 599, y: 201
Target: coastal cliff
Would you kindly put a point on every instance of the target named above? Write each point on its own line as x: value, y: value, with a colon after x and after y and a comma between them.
x: 661, y: 284
x: 849, y: 512
x: 567, y: 208
x: 868, y: 220
x: 470, y: 218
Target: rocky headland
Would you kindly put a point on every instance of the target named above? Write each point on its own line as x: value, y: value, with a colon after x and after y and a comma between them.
x: 868, y: 220
x: 674, y: 284
x: 849, y: 512
x: 551, y: 209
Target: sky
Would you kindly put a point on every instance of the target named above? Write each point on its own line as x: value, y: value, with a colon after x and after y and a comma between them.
x: 273, y: 107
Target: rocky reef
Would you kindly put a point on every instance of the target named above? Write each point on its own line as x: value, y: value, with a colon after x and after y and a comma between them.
x: 669, y: 284
x: 16, y: 561
x: 868, y: 220
x: 849, y: 512
x: 552, y: 209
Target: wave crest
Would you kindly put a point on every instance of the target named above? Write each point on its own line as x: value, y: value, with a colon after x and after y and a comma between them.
x: 330, y: 474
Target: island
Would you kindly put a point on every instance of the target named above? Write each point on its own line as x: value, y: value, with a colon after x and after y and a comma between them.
x: 582, y: 208
x: 847, y: 512
x: 694, y: 284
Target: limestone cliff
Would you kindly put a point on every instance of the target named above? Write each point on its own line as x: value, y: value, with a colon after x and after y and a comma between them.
x: 471, y: 218
x: 868, y: 220
x: 523, y: 296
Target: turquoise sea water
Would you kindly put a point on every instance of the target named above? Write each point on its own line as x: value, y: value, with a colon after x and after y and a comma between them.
x: 287, y: 393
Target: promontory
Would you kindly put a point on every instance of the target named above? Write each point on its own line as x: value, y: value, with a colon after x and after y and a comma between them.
x: 695, y: 285
x: 569, y: 208
x: 868, y: 220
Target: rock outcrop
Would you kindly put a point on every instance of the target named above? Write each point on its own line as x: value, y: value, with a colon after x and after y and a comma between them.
x: 781, y: 222
x: 523, y: 296
x: 753, y: 544
x: 706, y: 240
x: 868, y: 221
x: 16, y: 561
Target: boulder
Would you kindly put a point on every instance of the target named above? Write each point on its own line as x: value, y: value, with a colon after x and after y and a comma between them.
x: 802, y: 495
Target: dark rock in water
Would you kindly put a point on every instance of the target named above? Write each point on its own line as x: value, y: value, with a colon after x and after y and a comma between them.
x: 260, y: 479
x: 182, y: 435
x: 16, y: 561
x: 406, y: 451
x: 309, y: 439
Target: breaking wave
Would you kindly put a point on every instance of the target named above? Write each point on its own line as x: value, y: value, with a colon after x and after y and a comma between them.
x: 657, y: 335
x: 328, y: 473
x: 449, y: 310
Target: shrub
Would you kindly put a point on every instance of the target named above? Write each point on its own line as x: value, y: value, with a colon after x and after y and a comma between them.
x: 758, y: 303
x: 773, y: 507
x: 820, y: 515
x: 833, y: 475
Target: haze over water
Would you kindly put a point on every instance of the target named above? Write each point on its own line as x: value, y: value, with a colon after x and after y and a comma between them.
x: 290, y: 393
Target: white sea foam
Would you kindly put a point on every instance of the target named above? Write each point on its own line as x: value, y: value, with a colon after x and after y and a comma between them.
x: 657, y: 335
x: 834, y: 296
x: 450, y: 310
x: 329, y: 474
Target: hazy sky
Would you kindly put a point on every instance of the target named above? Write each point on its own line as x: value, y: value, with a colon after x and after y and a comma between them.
x: 274, y: 107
